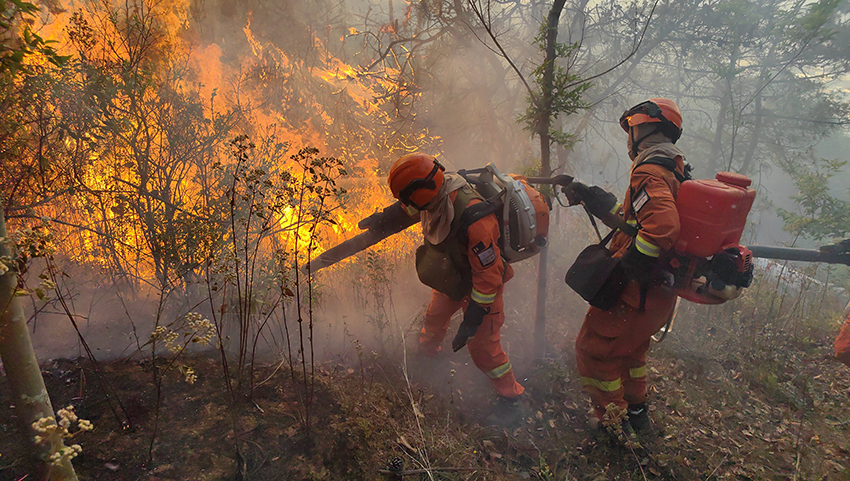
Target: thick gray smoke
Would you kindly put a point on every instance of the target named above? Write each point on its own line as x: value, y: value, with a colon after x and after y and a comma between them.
x: 441, y: 84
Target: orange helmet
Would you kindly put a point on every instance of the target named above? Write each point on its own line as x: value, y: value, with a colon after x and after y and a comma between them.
x: 415, y: 179
x: 655, y: 110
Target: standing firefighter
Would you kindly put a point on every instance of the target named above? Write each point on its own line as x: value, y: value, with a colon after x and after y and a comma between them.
x: 611, y: 346
x: 461, y: 261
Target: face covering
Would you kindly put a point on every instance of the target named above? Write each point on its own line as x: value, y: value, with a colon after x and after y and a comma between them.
x: 641, y: 133
x: 438, y: 214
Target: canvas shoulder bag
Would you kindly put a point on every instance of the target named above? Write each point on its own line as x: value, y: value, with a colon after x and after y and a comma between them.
x: 596, y: 276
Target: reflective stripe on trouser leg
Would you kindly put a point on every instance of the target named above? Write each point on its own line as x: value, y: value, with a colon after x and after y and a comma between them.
x: 485, y: 348
x: 606, y: 386
x: 600, y: 374
x: 634, y: 374
x: 438, y: 315
x: 612, y: 342
x: 634, y: 382
x: 603, y: 393
x: 506, y: 384
x: 499, y: 371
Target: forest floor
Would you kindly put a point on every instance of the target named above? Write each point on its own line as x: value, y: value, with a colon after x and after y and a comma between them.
x: 784, y: 417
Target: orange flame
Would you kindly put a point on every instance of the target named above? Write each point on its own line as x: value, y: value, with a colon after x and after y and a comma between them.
x: 215, y: 80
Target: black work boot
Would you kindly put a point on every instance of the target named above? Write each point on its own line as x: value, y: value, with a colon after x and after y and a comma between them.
x: 614, y: 435
x: 508, y: 413
x: 639, y: 417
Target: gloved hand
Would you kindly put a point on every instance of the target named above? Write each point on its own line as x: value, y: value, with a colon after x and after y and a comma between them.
x: 472, y: 318
x: 369, y: 221
x: 598, y: 201
x: 838, y: 248
x: 575, y: 192
x: 639, y: 267
x: 394, y: 215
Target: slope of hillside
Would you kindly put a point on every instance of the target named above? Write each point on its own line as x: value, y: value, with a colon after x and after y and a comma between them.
x: 787, y: 417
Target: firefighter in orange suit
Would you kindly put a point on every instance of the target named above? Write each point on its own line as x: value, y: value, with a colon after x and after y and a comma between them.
x: 611, y: 345
x: 461, y: 261
x: 842, y: 342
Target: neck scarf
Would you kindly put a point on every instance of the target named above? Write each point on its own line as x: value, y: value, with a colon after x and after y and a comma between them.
x: 438, y: 214
x: 657, y: 145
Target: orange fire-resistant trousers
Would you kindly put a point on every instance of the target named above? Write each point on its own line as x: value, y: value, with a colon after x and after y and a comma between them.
x: 842, y: 342
x: 485, y: 347
x: 611, y: 349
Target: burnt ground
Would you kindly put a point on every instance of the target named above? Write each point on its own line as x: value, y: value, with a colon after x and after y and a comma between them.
x: 777, y: 417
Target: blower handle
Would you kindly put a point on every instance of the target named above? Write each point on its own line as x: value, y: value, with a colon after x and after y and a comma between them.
x: 561, y: 179
x: 611, y: 220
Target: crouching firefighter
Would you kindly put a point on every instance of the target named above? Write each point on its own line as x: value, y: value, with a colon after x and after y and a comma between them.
x: 615, y: 336
x: 461, y: 261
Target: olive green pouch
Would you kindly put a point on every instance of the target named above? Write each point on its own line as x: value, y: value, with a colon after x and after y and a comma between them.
x: 444, y: 271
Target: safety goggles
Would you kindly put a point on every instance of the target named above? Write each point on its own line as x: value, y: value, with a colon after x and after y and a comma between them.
x: 425, y: 183
x: 648, y: 108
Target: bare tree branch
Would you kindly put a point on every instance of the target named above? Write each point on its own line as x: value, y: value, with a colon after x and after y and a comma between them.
x: 624, y: 60
x: 488, y: 27
x: 415, y: 40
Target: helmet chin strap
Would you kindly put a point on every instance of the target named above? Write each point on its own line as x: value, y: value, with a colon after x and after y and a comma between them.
x: 636, y: 143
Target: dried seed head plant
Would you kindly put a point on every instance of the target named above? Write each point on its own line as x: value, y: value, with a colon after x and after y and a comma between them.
x: 52, y: 432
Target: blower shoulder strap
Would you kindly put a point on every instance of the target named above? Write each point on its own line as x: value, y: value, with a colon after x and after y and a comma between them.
x: 471, y: 214
x: 474, y: 213
x: 670, y: 165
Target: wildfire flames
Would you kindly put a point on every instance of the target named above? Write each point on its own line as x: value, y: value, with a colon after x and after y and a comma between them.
x: 294, y: 97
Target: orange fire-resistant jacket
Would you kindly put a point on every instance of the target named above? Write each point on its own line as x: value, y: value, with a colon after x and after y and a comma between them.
x: 489, y: 270
x: 611, y: 345
x: 650, y: 202
x: 489, y: 273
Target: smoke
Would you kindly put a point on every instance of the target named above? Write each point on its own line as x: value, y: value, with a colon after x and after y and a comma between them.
x: 368, y: 81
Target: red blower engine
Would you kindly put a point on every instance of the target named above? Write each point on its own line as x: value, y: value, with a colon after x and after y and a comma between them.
x: 708, y: 264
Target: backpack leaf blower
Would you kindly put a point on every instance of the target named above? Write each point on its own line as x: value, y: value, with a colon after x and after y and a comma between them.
x: 708, y: 264
x: 523, y: 215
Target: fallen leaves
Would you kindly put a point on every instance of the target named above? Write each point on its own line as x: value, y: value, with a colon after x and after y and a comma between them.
x: 490, y: 447
x: 403, y: 441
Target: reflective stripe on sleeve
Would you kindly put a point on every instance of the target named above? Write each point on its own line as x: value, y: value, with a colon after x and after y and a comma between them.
x: 646, y: 247
x: 637, y: 372
x: 482, y: 298
x: 500, y: 371
x: 606, y: 386
x: 616, y: 208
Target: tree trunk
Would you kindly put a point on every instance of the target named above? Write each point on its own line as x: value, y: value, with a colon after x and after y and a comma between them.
x: 27, y: 386
x: 725, y: 103
x: 546, y: 169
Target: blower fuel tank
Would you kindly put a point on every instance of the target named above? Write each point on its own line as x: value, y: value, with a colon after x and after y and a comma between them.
x: 713, y: 213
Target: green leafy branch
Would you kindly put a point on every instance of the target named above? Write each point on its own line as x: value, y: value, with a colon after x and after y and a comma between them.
x: 19, y: 41
x: 822, y: 215
x: 564, y: 96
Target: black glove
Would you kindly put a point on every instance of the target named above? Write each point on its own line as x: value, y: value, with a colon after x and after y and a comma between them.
x: 598, y: 201
x: 837, y: 249
x: 393, y: 215
x: 575, y: 192
x: 472, y: 318
x: 639, y: 267
x: 369, y: 221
